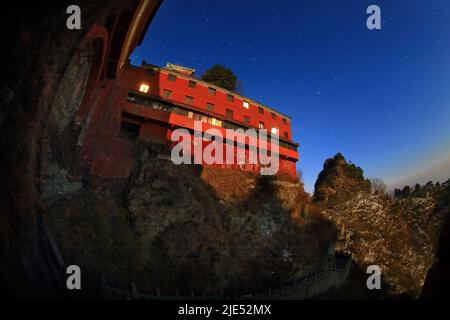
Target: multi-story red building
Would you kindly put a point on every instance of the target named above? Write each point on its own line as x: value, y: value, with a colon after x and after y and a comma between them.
x: 155, y: 101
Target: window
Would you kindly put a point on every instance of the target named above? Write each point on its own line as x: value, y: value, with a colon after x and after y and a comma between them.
x: 129, y: 130
x: 229, y: 113
x: 190, y: 114
x: 260, y: 110
x: 261, y: 125
x: 204, y: 118
x: 192, y: 84
x: 171, y: 77
x: 274, y: 116
x: 245, y: 104
x: 246, y: 119
x: 189, y: 100
x: 216, y: 122
x: 212, y: 91
x: 144, y: 88
x: 209, y: 106
x: 180, y: 111
x: 286, y: 135
x: 230, y: 98
x: 166, y: 93
x: 284, y: 121
x: 274, y: 131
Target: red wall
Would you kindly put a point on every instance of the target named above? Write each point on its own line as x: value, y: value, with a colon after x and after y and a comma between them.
x: 156, y: 124
x: 134, y: 77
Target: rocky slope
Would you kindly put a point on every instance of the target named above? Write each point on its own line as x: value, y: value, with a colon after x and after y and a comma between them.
x: 189, y: 228
x: 398, y: 234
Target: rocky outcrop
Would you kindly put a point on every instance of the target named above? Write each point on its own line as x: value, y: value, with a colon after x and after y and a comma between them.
x: 339, y: 180
x: 190, y: 228
x: 397, y: 234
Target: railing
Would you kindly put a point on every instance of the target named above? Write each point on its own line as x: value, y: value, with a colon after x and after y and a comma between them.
x: 318, y: 281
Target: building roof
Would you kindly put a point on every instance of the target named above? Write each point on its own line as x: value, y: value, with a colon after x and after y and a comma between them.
x: 191, y: 77
x: 181, y: 69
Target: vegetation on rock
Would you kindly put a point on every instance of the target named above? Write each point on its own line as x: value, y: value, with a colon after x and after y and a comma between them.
x: 221, y: 76
x: 398, y: 233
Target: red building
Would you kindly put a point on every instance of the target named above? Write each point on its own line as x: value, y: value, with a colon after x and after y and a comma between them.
x: 157, y: 100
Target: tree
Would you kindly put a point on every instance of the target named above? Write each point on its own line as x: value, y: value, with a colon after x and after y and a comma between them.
x: 378, y: 186
x: 406, y: 192
x: 221, y: 76
x: 398, y: 193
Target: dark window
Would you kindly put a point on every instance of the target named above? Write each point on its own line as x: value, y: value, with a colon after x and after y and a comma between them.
x: 229, y: 113
x: 284, y: 121
x: 286, y: 135
x: 180, y: 111
x: 192, y: 84
x: 166, y: 93
x: 229, y: 125
x: 209, y: 106
x: 261, y: 110
x: 230, y: 98
x: 261, y: 125
x: 189, y: 100
x: 212, y: 91
x: 138, y: 98
x: 129, y: 130
x: 246, y: 119
x: 171, y: 77
x: 274, y: 116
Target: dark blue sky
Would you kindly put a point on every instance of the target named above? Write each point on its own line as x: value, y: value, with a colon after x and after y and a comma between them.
x: 382, y: 98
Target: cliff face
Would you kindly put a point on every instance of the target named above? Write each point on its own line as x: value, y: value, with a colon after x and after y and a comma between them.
x: 39, y: 49
x: 398, y: 234
x: 339, y: 180
x: 186, y: 227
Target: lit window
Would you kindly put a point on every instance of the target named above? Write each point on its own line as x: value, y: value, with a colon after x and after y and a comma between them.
x: 216, y: 122
x: 245, y: 104
x: 144, y: 88
x: 261, y: 125
x: 274, y: 131
x: 190, y: 114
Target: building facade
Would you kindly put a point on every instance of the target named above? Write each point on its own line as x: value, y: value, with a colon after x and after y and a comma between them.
x: 155, y: 101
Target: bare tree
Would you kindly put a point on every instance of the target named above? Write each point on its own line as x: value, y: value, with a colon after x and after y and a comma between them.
x: 378, y: 186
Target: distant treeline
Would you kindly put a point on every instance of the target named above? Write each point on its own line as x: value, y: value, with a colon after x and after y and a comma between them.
x: 441, y: 190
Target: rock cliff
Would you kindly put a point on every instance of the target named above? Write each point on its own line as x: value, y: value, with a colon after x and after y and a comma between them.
x: 398, y: 234
x: 190, y: 228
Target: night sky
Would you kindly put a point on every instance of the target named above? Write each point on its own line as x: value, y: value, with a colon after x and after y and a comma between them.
x: 380, y: 97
